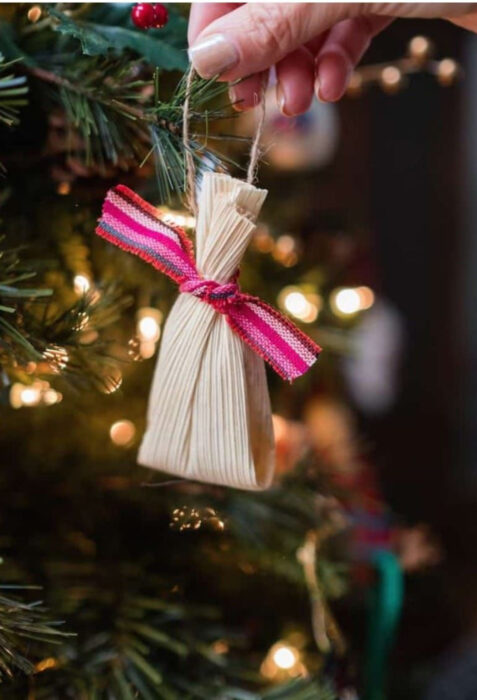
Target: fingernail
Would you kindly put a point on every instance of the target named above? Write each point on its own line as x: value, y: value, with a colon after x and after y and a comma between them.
x: 317, y: 90
x: 282, y: 101
x: 213, y: 55
x: 234, y: 101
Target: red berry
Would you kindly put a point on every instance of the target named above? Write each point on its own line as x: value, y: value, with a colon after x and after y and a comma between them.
x: 143, y: 15
x: 161, y: 15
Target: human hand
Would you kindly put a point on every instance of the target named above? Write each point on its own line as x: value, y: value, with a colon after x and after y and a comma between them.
x: 314, y: 46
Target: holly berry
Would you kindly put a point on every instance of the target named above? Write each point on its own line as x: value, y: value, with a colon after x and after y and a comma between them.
x: 161, y: 15
x: 149, y: 16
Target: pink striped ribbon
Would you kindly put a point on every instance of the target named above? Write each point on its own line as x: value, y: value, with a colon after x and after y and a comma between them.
x: 133, y: 225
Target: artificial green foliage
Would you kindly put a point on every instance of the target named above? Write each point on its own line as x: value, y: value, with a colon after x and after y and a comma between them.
x: 99, y: 39
x: 13, y: 91
x: 148, y: 573
x: 25, y: 629
x: 106, y: 77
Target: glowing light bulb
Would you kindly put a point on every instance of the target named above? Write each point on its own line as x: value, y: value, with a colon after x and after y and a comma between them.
x: 285, y: 657
x: 149, y: 324
x: 63, y: 188
x: 391, y: 79
x: 122, y: 432
x: 447, y: 71
x: 349, y: 300
x: 301, y: 304
x: 82, y: 284
x: 346, y: 302
x: 148, y: 328
x: 296, y: 304
x: 366, y: 297
x: 420, y: 48
x: 30, y: 396
x: 355, y: 85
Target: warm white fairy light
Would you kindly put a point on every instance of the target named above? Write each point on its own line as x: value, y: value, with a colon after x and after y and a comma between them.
x: 30, y: 396
x: 391, y: 78
x: 149, y: 324
x: 81, y: 283
x: 283, y: 660
x: 296, y: 304
x: 39, y: 393
x: 147, y: 348
x: 148, y: 328
x: 347, y: 301
x: 447, y: 71
x: 122, y: 432
x: 285, y: 657
x: 366, y: 297
x: 301, y: 304
x: 177, y: 218
x: 420, y: 48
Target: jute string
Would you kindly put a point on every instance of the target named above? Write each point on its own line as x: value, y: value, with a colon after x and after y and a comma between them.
x: 189, y: 156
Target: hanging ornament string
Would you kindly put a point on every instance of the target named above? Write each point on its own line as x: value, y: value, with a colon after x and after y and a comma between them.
x: 188, y: 153
x: 132, y: 224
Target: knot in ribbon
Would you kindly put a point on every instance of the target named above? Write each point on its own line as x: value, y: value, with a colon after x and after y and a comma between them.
x: 132, y: 224
x: 219, y: 296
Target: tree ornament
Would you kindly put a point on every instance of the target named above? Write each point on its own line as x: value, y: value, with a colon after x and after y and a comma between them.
x: 161, y: 15
x: 149, y: 16
x: 209, y: 416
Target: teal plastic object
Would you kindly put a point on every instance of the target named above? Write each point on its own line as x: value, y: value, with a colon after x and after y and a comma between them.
x: 386, y: 601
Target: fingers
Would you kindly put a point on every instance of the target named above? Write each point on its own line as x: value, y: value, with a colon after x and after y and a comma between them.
x: 255, y: 36
x: 295, y: 77
x: 247, y: 93
x: 203, y: 13
x: 341, y: 51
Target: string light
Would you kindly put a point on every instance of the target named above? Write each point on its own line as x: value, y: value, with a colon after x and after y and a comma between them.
x: 347, y: 301
x: 63, y: 188
x: 262, y: 240
x: 355, y: 85
x: 282, y: 661
x: 122, y: 433
x: 39, y: 393
x: 300, y: 303
x: 420, y: 48
x: 46, y: 664
x: 447, y: 71
x: 285, y: 657
x: 81, y: 283
x: 149, y: 324
x: 190, y: 518
x: 177, y: 218
x: 285, y: 250
x: 221, y: 646
x: 391, y: 78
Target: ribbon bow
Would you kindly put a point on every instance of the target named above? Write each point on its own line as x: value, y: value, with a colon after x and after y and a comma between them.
x: 133, y: 225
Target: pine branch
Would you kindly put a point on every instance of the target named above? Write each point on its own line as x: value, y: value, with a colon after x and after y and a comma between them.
x: 111, y: 98
x: 22, y: 624
x: 13, y: 89
x: 36, y: 327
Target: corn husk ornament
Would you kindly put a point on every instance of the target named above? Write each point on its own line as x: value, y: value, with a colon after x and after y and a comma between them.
x: 209, y: 414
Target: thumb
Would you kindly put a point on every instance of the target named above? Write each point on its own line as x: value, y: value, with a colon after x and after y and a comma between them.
x: 257, y: 35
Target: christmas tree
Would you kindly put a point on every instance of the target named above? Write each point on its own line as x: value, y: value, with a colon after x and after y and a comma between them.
x: 164, y: 589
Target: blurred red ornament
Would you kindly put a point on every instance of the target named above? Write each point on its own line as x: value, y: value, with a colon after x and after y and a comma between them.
x: 149, y: 16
